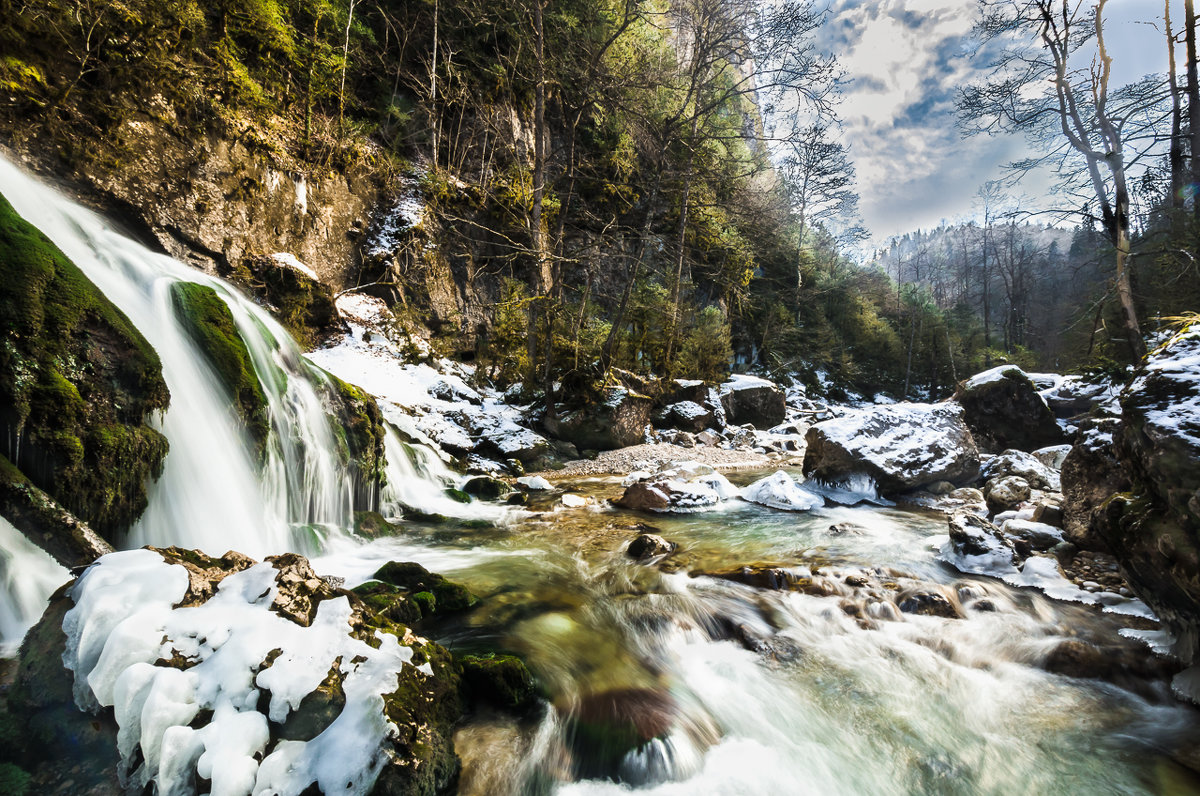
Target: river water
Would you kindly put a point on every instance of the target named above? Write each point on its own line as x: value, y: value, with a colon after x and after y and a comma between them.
x: 824, y: 688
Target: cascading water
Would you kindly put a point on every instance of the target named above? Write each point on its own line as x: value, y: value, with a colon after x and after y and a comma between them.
x: 27, y: 575
x: 211, y: 495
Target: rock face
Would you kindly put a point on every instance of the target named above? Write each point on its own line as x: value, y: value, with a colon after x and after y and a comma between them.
x: 749, y: 399
x: 77, y: 383
x: 1153, y: 530
x: 1002, y: 408
x: 1091, y: 475
x: 617, y: 421
x: 901, y: 446
x: 264, y: 665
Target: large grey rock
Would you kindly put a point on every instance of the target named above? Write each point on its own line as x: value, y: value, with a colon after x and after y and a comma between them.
x: 1024, y: 465
x: 901, y: 446
x: 1154, y: 530
x: 618, y: 420
x: 1003, y: 410
x: 1091, y: 475
x: 749, y: 399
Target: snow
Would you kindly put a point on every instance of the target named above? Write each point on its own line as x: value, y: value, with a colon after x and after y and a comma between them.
x: 431, y: 402
x: 535, y: 482
x: 291, y: 261
x: 688, y: 487
x: 743, y: 381
x: 993, y: 376
x: 1176, y: 367
x: 124, y: 620
x: 685, y: 410
x: 780, y: 491
x: 407, y: 214
x: 909, y: 440
x: 572, y: 501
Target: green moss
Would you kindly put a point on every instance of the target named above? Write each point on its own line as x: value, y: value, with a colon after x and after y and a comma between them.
x: 426, y: 602
x: 77, y: 382
x: 361, y: 438
x: 14, y: 780
x: 485, y: 487
x: 449, y: 597
x: 458, y: 495
x: 502, y: 680
x: 210, y: 324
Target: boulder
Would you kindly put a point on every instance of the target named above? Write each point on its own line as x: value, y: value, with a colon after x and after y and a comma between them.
x: 262, y: 658
x: 1024, y: 465
x: 686, y: 416
x: 749, y: 399
x: 1153, y: 529
x: 1090, y: 476
x: 901, y: 446
x: 618, y: 420
x: 1038, y: 535
x: 971, y: 535
x: 648, y: 545
x: 1053, y: 456
x: 1006, y: 492
x: 683, y: 489
x: 780, y: 491
x: 1072, y: 396
x: 1003, y: 409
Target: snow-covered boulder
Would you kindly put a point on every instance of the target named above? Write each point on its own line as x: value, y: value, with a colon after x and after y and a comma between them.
x: 686, y: 416
x: 683, y: 488
x: 1024, y: 465
x: 750, y: 399
x: 618, y: 420
x: 1153, y: 532
x: 258, y: 677
x: 902, y: 447
x: 780, y: 491
x: 1004, y: 410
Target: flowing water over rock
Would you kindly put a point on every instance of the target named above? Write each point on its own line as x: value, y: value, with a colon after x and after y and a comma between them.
x: 822, y: 652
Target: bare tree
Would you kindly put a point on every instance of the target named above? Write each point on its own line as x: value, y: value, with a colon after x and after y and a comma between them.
x: 1089, y: 131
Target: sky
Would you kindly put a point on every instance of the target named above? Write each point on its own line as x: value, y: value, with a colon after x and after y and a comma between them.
x: 904, y: 61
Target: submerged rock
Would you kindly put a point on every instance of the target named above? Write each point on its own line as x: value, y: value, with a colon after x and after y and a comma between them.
x: 1003, y: 409
x: 648, y: 545
x: 901, y: 446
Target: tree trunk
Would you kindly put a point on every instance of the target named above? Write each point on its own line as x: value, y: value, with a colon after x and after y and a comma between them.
x: 1193, y: 91
x: 1175, y: 157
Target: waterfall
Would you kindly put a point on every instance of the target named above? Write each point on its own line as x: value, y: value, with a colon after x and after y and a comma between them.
x: 28, y: 575
x: 211, y: 495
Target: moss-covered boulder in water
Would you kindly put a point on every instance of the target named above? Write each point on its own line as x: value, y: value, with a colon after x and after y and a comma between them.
x: 302, y: 304
x: 361, y: 439
x: 501, y: 680
x: 210, y: 324
x: 450, y: 597
x: 77, y: 382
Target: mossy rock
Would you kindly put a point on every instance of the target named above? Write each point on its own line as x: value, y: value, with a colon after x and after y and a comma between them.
x: 389, y: 602
x: 77, y: 382
x: 501, y: 680
x: 304, y: 306
x: 458, y: 495
x: 450, y: 597
x: 372, y: 524
x: 486, y: 487
x: 210, y: 324
x: 361, y: 434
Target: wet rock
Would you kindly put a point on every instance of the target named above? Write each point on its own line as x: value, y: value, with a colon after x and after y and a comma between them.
x: 752, y: 400
x: 685, y: 488
x: 974, y: 536
x: 1123, y: 665
x: 1049, y: 512
x: 500, y: 680
x: 485, y: 487
x: 928, y: 603
x: 648, y: 545
x: 606, y: 726
x: 69, y: 540
x: 1003, y: 409
x: 1006, y: 493
x: 1153, y: 530
x: 901, y: 446
x: 412, y: 577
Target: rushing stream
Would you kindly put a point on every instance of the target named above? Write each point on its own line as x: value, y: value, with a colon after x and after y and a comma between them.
x: 827, y: 689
